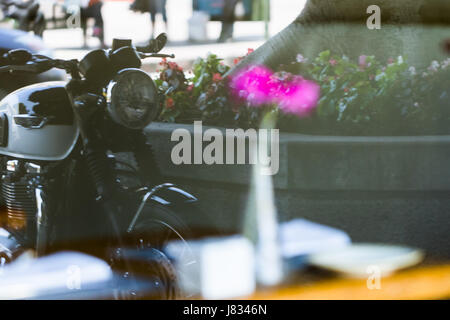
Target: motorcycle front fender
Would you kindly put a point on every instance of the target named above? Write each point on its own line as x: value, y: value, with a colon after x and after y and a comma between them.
x: 172, y: 195
x: 166, y: 201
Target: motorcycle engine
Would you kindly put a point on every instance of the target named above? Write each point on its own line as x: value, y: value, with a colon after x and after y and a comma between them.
x: 18, y: 196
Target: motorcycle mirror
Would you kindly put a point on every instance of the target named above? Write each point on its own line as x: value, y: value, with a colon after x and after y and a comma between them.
x: 119, y: 43
x: 156, y: 45
x: 18, y: 56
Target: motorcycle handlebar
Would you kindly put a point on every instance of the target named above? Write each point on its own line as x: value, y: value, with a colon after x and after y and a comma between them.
x: 40, y: 63
x: 155, y: 55
x: 32, y: 68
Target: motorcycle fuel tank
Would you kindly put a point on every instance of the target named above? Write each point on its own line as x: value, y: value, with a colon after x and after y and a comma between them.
x: 37, y: 123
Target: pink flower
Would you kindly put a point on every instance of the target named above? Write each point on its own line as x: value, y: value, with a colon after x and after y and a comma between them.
x: 362, y: 61
x: 333, y: 62
x: 300, y: 58
x: 253, y: 84
x: 258, y: 85
x: 299, y: 97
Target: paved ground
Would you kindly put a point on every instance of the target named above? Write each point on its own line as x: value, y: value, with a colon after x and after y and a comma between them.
x: 122, y: 23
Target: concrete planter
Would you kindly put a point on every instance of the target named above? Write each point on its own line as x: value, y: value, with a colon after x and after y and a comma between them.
x: 378, y: 189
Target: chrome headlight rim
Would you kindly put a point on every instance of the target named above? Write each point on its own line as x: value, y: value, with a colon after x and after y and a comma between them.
x: 113, y: 107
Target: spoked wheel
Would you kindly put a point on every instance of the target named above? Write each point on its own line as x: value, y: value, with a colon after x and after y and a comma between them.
x: 146, y: 275
x: 146, y: 258
x: 156, y: 226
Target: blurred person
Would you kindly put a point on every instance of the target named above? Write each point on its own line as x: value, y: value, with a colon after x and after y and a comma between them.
x: 153, y: 7
x: 93, y: 10
x: 228, y: 19
x: 157, y: 6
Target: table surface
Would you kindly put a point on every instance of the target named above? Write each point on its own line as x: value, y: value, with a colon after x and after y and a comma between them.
x: 422, y: 282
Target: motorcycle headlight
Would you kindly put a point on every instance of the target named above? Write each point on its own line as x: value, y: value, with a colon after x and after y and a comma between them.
x: 132, y: 99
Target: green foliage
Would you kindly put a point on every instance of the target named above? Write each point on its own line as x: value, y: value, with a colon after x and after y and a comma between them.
x: 370, y: 97
x: 200, y: 96
x: 362, y: 97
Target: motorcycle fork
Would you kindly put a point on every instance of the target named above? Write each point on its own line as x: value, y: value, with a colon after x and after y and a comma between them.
x: 86, y: 107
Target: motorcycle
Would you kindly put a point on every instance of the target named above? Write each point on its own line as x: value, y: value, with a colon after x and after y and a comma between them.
x: 77, y: 171
x: 26, y: 14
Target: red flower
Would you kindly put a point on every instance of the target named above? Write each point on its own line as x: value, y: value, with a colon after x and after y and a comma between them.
x: 333, y: 62
x: 169, y: 103
x: 217, y: 77
x: 174, y: 66
x: 237, y: 60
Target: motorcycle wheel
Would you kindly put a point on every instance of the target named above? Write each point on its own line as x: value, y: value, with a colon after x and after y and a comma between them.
x: 158, y: 226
